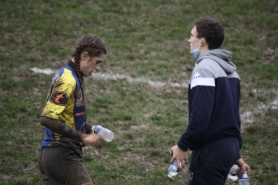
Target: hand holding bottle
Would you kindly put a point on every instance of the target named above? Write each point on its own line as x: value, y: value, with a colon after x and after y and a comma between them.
x: 92, y: 139
x: 243, y: 167
x: 239, y: 172
x: 179, y: 156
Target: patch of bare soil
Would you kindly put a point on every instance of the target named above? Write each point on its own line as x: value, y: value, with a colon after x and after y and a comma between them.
x: 6, y: 176
x: 30, y: 168
x: 59, y: 63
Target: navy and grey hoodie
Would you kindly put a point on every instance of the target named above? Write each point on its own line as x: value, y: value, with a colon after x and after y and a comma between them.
x: 213, y: 100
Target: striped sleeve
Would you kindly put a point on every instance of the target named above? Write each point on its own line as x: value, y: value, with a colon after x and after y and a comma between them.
x: 202, y: 81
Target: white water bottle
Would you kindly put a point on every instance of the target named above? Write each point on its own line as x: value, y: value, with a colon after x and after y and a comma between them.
x: 173, y: 170
x: 244, y: 179
x: 105, y: 133
x: 233, y: 173
x: 234, y: 169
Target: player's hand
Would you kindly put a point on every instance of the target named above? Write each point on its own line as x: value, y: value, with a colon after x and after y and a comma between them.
x: 93, y: 139
x: 178, y: 155
x: 243, y: 167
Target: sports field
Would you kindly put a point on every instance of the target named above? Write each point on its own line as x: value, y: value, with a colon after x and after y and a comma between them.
x: 141, y: 91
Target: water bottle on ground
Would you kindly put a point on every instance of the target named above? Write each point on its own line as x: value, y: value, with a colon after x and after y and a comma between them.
x: 105, y: 133
x: 244, y: 179
x: 173, y: 170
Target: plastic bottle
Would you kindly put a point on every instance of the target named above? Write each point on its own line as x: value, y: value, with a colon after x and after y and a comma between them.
x: 244, y: 179
x: 173, y: 170
x: 105, y: 133
x: 233, y: 173
x: 234, y: 169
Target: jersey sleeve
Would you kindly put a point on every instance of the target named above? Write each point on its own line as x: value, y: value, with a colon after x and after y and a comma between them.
x: 62, y: 90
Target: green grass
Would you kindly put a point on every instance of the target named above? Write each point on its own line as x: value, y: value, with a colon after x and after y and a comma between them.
x: 144, y: 39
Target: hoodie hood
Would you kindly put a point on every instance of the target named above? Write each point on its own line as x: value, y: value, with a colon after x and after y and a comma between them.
x: 222, y: 57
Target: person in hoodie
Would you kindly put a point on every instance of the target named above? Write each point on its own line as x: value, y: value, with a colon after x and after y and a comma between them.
x: 213, y: 131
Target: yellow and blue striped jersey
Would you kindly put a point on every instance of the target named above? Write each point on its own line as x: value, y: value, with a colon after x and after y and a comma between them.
x: 65, y: 102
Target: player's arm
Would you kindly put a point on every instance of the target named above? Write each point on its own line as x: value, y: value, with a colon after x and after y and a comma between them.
x: 60, y: 127
x: 201, y: 99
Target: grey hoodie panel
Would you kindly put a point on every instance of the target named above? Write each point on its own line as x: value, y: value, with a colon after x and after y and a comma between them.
x: 215, y: 69
x: 222, y: 57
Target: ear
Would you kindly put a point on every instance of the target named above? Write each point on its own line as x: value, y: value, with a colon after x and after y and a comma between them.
x: 202, y: 41
x: 84, y: 55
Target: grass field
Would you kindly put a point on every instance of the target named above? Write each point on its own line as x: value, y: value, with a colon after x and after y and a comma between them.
x: 145, y: 39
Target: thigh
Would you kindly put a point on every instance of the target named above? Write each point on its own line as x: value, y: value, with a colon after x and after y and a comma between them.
x: 45, y: 178
x: 211, y: 164
x: 63, y: 165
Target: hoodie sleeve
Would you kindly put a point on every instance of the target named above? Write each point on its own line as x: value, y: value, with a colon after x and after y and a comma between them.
x: 201, y: 98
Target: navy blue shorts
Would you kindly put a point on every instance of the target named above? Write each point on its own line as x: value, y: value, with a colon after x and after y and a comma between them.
x: 211, y: 163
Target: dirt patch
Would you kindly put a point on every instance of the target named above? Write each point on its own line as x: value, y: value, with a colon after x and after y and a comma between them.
x: 6, y: 177
x: 140, y: 127
x: 30, y: 168
x: 18, y: 79
x: 59, y: 63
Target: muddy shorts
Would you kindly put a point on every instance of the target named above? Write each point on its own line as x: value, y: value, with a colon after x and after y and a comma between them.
x: 61, y: 165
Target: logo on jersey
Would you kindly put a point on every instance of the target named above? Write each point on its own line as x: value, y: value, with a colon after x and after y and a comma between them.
x: 196, y: 74
x: 59, y: 98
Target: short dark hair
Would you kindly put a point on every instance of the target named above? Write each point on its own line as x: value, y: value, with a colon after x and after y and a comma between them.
x: 212, y: 30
